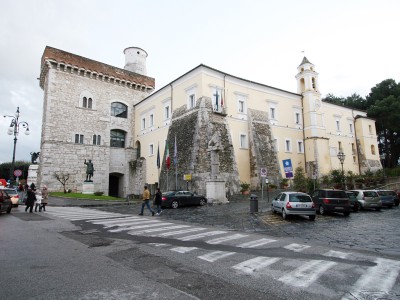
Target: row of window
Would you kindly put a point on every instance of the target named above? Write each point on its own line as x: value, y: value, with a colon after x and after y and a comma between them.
x: 117, y: 138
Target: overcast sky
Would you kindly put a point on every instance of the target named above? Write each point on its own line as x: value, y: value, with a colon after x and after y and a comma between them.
x: 354, y: 45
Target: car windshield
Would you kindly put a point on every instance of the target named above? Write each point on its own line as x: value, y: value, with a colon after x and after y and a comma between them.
x: 299, y: 198
x: 351, y: 195
x: 369, y: 194
x: 168, y: 193
x: 336, y: 194
x: 386, y: 193
x: 11, y: 191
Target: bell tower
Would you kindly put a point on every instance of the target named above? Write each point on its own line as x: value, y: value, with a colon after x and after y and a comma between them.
x: 315, y: 139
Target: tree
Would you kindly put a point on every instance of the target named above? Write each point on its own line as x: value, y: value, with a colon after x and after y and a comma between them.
x: 62, y: 178
x: 384, y: 106
x: 299, y: 180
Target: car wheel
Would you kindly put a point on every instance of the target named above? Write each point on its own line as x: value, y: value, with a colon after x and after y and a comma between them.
x: 346, y: 213
x: 312, y: 218
x: 322, y: 210
x: 378, y: 209
x: 284, y: 215
x: 203, y: 202
x: 9, y: 209
x: 360, y: 207
x: 175, y: 204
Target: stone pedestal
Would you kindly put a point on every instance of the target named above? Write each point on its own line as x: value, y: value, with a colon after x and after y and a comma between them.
x: 88, y: 188
x: 215, y: 191
x: 32, y: 175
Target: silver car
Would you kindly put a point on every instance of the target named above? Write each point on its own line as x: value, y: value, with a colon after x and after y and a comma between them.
x: 294, y: 203
x: 368, y: 199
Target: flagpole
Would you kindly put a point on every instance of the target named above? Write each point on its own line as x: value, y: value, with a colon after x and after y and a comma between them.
x: 176, y: 165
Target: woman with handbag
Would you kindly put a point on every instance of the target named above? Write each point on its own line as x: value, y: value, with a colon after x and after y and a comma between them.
x: 158, y: 201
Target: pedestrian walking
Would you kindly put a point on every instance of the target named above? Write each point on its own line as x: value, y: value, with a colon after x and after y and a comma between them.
x: 146, y: 201
x: 45, y: 196
x: 30, y: 200
x: 38, y: 204
x: 158, y: 201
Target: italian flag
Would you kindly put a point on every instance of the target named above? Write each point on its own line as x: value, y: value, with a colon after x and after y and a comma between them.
x: 167, y: 157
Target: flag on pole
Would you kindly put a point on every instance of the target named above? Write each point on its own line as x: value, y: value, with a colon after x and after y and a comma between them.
x: 167, y: 158
x: 216, y: 98
x: 222, y: 99
x: 175, y: 153
x: 158, y: 157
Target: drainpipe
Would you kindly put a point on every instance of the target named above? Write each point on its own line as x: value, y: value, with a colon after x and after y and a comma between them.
x: 355, y: 136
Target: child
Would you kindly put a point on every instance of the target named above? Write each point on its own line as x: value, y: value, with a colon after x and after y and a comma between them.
x: 38, y: 201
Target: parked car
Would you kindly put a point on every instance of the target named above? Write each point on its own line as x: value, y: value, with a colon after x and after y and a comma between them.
x: 175, y: 199
x: 14, y: 196
x: 5, y: 202
x: 355, y: 206
x: 388, y: 197
x: 294, y: 203
x: 368, y: 199
x: 329, y: 200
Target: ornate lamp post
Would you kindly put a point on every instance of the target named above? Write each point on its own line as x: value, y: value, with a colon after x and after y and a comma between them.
x: 341, y: 156
x: 382, y: 158
x: 14, y: 130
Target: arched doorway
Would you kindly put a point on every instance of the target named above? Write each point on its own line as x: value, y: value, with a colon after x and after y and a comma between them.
x: 115, y: 184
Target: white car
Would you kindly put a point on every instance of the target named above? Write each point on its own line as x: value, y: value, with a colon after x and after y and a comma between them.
x: 294, y: 203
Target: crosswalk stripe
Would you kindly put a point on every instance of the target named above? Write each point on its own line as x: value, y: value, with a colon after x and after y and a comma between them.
x: 157, y: 229
x: 307, y: 273
x: 227, y: 238
x: 339, y: 254
x: 201, y: 235
x: 216, y: 255
x: 112, y: 221
x: 256, y: 243
x: 133, y: 222
x: 183, y: 249
x: 296, y: 247
x: 179, y: 232
x: 120, y: 229
x: 255, y: 264
x: 377, y: 279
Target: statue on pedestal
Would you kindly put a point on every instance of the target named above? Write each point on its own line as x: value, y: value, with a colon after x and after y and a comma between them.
x: 89, y: 170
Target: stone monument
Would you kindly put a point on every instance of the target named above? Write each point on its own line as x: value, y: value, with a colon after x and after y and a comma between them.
x: 33, y: 169
x: 88, y: 185
x: 215, y: 186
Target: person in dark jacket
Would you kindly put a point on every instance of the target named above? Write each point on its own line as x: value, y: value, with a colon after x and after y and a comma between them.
x: 158, y: 201
x: 30, y: 200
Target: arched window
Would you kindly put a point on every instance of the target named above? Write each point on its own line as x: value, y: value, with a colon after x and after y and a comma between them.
x: 119, y: 110
x: 117, y: 138
x: 87, y: 102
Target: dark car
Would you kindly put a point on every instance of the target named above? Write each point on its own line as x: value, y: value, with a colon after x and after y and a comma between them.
x: 175, y: 199
x: 387, y: 197
x: 355, y: 206
x: 5, y: 202
x: 14, y: 196
x: 327, y: 200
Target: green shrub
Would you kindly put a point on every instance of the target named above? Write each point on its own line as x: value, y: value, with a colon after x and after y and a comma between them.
x: 98, y: 193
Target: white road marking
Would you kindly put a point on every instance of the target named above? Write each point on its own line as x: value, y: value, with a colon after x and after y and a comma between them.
x: 378, y: 279
x: 213, y: 256
x: 256, y: 243
x: 255, y: 264
x: 158, y: 244
x: 226, y: 238
x: 296, y: 247
x: 179, y: 232
x: 306, y: 274
x: 112, y: 221
x: 339, y: 254
x: 183, y: 249
x: 200, y: 235
x: 158, y: 229
x: 132, y: 222
x: 129, y: 228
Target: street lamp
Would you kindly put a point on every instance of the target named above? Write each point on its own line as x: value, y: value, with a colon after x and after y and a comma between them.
x: 341, y: 157
x: 382, y: 158
x: 14, y: 130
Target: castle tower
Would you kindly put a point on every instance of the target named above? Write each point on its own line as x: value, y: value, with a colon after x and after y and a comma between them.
x: 315, y: 139
x: 135, y: 60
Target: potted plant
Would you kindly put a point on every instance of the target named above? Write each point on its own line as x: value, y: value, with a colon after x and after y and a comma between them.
x: 271, y: 187
x: 245, y: 188
x: 284, y: 183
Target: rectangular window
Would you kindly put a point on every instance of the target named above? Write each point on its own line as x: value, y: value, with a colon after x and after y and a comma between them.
x: 370, y: 129
x: 288, y: 145
x: 166, y: 112
x: 337, y: 125
x: 243, y: 141
x: 340, y: 146
x: 241, y: 106
x: 143, y: 123
x: 78, y: 138
x: 351, y: 128
x: 297, y: 117
x: 151, y: 120
x: 192, y: 103
x: 276, y: 145
x: 96, y: 139
x: 151, y: 149
x: 353, y: 149
x: 300, y: 148
x: 272, y: 113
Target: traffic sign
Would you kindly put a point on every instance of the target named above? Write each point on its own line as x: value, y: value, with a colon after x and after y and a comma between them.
x: 17, y: 172
x: 263, y: 172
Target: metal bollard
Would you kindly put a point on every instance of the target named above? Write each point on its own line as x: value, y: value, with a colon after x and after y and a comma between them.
x: 253, y: 203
